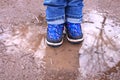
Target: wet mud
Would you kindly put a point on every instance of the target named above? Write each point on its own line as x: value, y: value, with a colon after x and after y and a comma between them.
x: 24, y: 54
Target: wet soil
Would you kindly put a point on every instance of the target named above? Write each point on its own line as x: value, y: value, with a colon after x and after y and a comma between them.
x: 24, y: 54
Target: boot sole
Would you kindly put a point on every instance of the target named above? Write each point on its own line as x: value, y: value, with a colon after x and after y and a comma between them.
x: 75, y: 40
x: 54, y: 44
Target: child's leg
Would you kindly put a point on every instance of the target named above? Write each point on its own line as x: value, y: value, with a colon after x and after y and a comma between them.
x: 55, y: 16
x: 55, y: 12
x: 73, y: 20
x: 74, y: 11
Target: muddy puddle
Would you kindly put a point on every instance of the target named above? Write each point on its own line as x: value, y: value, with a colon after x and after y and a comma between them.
x: 24, y: 54
x: 100, y: 51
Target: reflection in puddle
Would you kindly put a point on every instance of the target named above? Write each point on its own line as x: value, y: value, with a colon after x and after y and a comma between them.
x: 25, y: 38
x: 40, y: 53
x: 100, y: 50
x: 22, y: 48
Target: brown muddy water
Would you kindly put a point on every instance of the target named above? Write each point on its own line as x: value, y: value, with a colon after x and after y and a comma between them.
x: 24, y: 54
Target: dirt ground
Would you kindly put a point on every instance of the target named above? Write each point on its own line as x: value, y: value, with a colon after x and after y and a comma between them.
x: 24, y: 54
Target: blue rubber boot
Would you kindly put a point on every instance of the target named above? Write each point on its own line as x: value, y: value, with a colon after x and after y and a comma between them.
x: 55, y: 34
x: 74, y: 32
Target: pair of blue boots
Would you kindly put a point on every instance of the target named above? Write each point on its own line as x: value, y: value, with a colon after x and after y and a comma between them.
x: 55, y: 33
